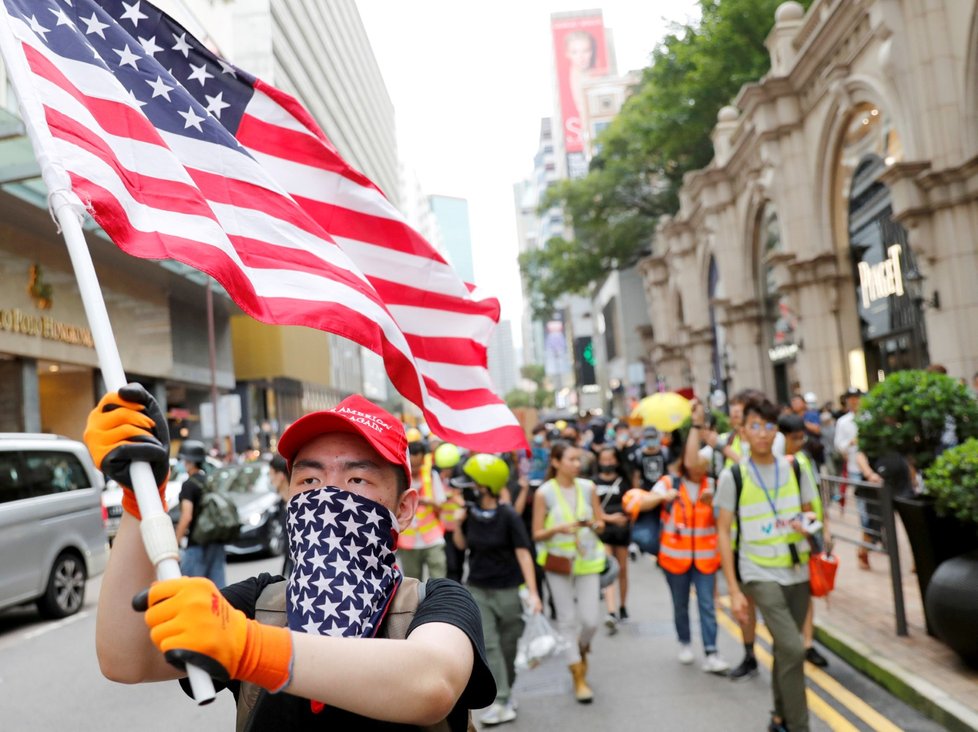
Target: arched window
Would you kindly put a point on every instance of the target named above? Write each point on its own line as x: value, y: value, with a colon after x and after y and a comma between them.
x: 778, y: 321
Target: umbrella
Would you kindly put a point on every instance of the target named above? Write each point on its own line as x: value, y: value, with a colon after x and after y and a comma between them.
x: 665, y: 411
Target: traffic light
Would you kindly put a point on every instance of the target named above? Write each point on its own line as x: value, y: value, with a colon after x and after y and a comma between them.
x: 584, y: 361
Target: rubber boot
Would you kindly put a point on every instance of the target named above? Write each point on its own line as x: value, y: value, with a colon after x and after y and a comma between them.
x: 584, y: 649
x: 582, y: 692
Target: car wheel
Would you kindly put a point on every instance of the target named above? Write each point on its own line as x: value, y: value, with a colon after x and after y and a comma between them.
x: 275, y: 538
x: 65, y: 592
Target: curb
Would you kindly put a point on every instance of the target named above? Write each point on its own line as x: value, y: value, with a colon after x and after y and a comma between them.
x: 919, y: 693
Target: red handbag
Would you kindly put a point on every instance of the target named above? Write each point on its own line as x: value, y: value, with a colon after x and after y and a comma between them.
x: 821, y: 570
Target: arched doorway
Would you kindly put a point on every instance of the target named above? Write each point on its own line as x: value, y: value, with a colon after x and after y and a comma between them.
x: 892, y: 334
x: 891, y: 322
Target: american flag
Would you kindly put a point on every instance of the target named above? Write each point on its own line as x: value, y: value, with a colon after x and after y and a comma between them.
x: 344, y: 575
x: 178, y: 154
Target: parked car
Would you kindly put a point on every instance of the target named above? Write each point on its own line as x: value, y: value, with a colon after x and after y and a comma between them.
x: 260, y: 508
x: 52, y: 533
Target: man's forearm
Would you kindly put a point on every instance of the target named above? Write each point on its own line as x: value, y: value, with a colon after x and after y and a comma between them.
x: 125, y: 652
x: 727, y: 560
x: 422, y: 677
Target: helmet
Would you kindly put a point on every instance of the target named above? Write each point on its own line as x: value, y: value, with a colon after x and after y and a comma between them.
x: 631, y: 501
x: 811, y: 399
x: 488, y: 470
x: 192, y: 451
x: 446, y: 456
x: 413, y: 434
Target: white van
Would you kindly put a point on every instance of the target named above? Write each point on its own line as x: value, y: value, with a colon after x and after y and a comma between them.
x: 52, y: 531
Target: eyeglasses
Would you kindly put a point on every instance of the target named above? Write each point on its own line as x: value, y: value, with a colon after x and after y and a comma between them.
x: 762, y: 427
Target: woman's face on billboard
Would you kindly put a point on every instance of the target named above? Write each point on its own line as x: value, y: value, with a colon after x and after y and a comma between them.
x: 579, y: 52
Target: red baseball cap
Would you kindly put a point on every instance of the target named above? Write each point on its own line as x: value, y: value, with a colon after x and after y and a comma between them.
x: 358, y: 416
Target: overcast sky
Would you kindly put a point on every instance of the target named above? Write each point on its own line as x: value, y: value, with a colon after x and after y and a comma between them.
x: 470, y: 83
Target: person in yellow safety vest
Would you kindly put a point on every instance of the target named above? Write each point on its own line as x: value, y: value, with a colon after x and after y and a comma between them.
x: 736, y: 449
x: 567, y: 517
x: 770, y: 506
x: 792, y: 426
x: 688, y: 554
x: 421, y: 546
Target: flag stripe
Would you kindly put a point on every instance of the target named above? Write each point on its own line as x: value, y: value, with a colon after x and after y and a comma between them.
x: 264, y: 203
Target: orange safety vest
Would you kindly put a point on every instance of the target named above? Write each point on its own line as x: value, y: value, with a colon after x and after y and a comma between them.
x: 426, y: 526
x: 689, y: 534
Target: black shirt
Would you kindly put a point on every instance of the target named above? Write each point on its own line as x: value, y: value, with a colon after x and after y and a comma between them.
x: 492, y: 539
x: 445, y: 601
x: 191, y: 490
x: 650, y: 467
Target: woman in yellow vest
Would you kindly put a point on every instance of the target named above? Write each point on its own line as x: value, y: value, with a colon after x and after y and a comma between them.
x: 566, y: 518
x: 688, y: 554
x: 421, y: 546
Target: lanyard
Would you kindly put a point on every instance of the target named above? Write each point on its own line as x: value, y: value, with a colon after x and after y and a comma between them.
x: 777, y: 485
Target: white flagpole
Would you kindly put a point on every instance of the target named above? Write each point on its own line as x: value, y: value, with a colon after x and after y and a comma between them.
x: 156, y: 527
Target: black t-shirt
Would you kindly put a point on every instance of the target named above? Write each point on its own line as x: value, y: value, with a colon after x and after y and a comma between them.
x: 650, y: 467
x: 492, y: 539
x: 191, y: 490
x: 445, y: 601
x: 610, y: 489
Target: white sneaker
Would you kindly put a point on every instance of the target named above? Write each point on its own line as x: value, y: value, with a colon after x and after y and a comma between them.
x: 685, y: 653
x: 498, y: 714
x: 715, y: 665
x: 611, y: 623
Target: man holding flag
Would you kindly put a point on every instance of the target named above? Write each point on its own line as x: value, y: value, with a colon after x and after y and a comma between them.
x: 178, y: 154
x: 310, y: 651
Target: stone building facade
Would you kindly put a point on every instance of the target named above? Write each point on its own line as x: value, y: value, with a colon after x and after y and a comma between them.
x: 834, y: 236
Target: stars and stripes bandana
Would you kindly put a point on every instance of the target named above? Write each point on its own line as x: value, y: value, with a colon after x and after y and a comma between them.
x: 344, y: 576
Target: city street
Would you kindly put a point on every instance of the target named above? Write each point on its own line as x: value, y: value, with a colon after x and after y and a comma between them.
x: 49, y: 681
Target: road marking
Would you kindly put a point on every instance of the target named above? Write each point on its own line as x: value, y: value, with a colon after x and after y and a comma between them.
x: 45, y: 627
x: 853, y: 703
x: 846, y: 698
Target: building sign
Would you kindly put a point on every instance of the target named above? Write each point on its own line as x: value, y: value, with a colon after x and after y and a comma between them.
x: 15, y: 320
x: 879, y: 281
x: 784, y: 352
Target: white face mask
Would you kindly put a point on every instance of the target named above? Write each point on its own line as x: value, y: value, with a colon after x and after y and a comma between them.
x: 344, y: 576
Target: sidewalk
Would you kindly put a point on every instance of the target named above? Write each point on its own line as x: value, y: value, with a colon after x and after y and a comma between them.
x: 858, y: 623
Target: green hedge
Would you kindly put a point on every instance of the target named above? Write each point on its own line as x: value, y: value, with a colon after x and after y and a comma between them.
x: 908, y: 412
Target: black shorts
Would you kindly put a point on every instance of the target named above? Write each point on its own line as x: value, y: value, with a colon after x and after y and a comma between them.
x: 617, y: 535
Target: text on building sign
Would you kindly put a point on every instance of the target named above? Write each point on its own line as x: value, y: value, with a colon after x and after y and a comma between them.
x: 877, y: 281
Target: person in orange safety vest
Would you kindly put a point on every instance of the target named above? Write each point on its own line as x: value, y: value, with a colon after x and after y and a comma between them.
x: 688, y: 554
x: 422, y: 545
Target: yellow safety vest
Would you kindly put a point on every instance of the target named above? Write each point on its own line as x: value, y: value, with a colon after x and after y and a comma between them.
x: 425, y: 530
x: 735, y: 446
x: 764, y: 535
x: 805, y: 463
x: 586, y: 548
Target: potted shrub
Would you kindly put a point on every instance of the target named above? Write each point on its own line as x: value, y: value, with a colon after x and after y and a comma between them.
x: 952, y: 594
x: 904, y: 423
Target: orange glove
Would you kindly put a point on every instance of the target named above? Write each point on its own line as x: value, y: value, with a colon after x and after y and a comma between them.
x: 125, y: 427
x: 632, y: 501
x: 191, y: 622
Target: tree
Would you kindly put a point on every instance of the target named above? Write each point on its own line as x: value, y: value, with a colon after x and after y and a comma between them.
x: 662, y: 132
x: 540, y: 397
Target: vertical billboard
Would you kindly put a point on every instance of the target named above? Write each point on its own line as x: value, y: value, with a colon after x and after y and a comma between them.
x: 580, y: 53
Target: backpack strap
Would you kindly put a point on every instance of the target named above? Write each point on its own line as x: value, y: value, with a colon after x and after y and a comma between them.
x: 738, y: 479
x: 269, y: 610
x: 401, y: 611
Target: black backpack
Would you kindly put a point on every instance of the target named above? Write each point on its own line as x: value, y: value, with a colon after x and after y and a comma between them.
x: 216, y: 520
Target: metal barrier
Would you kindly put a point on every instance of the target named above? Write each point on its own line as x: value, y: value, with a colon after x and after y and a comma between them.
x: 880, y: 528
